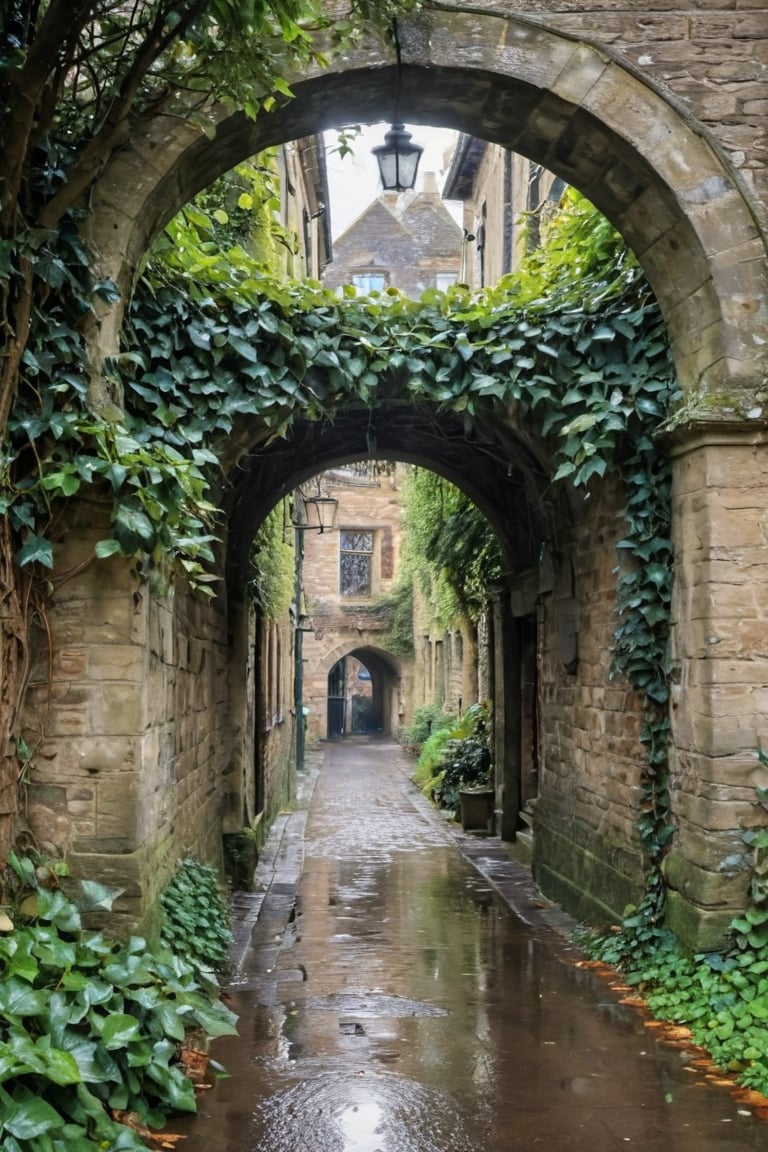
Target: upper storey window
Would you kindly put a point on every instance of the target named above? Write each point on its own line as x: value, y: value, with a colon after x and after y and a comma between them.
x: 355, y: 562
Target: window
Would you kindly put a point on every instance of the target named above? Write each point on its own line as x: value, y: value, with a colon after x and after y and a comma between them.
x: 355, y: 563
x: 366, y: 282
x: 273, y: 675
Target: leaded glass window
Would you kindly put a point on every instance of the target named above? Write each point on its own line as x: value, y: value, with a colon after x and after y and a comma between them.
x: 355, y: 562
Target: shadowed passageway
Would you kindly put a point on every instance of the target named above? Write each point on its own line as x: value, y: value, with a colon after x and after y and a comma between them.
x: 391, y: 999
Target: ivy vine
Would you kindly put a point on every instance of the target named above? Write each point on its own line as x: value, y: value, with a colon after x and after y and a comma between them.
x: 449, y: 547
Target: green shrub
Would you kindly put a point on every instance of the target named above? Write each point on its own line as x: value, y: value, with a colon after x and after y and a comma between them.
x: 196, y: 923
x: 89, y: 1024
x: 427, y: 720
x: 468, y: 765
x: 455, y: 757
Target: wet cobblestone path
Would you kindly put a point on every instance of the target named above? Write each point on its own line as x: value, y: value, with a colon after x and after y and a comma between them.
x: 396, y: 996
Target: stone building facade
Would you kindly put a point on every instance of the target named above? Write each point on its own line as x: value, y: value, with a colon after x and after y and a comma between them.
x: 504, y: 197
x: 407, y: 241
x: 348, y: 574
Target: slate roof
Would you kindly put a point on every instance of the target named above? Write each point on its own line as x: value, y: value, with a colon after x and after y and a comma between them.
x: 408, y: 240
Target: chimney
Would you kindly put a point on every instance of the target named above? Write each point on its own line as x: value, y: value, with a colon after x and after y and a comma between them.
x: 430, y: 184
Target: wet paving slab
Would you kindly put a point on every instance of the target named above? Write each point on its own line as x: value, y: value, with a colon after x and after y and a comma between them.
x: 402, y: 988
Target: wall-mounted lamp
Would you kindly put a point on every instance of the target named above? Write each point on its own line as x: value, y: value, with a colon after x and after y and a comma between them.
x: 315, y: 513
x: 321, y: 512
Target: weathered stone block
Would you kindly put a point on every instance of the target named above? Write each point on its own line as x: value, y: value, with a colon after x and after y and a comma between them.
x: 700, y: 929
x: 121, y: 662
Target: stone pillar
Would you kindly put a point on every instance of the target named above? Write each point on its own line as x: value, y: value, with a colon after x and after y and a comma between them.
x: 719, y: 702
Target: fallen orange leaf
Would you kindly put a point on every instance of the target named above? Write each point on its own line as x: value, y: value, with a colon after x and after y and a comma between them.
x: 195, y: 1064
x: 158, y: 1140
x: 678, y: 1032
x: 750, y: 1097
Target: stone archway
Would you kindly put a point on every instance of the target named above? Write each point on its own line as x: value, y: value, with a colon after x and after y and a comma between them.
x: 662, y: 180
x: 383, y: 685
x: 576, y: 108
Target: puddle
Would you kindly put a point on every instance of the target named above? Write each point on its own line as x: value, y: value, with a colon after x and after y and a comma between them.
x: 410, y: 1011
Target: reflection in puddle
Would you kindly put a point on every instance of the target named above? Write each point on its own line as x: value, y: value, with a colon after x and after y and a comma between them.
x: 361, y: 1112
x: 361, y: 1127
x: 429, y: 1018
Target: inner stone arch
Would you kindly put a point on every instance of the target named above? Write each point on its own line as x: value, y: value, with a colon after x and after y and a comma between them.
x: 503, y: 470
x: 381, y: 689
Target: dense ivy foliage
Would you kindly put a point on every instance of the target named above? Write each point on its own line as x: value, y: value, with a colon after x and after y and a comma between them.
x: 722, y: 998
x: 449, y: 547
x: 272, y: 583
x: 397, y: 607
x: 91, y: 1028
x: 195, y: 918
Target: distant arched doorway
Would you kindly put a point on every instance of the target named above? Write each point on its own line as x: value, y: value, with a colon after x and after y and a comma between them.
x: 363, y: 695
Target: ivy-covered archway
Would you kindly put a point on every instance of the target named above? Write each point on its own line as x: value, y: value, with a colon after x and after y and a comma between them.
x: 563, y: 103
x: 590, y: 120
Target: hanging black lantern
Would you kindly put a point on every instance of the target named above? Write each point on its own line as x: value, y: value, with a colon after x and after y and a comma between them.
x: 398, y: 160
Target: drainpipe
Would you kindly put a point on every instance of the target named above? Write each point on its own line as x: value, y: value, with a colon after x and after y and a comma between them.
x: 506, y: 251
x: 298, y: 651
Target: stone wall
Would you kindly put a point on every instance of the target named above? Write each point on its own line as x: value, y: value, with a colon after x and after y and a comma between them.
x: 586, y: 849
x: 131, y: 734
x: 710, y: 55
x: 720, y: 671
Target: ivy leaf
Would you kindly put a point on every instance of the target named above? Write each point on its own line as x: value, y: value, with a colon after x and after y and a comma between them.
x: 18, y: 999
x: 35, y: 550
x: 133, y: 528
x: 119, y: 1030
x: 27, y: 1116
x: 105, y: 548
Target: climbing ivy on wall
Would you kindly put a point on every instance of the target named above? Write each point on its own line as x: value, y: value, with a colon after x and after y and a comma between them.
x: 449, y: 547
x: 272, y: 582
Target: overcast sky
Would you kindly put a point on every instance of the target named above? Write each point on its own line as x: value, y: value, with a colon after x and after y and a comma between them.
x: 354, y: 180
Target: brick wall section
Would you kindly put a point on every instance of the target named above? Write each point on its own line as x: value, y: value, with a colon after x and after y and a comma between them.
x: 711, y: 55
x: 129, y: 757
x: 590, y: 753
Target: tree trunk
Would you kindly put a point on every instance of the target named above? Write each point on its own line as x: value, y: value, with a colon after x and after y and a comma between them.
x: 13, y: 674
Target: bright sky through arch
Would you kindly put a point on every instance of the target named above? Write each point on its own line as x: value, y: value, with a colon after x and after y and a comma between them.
x: 353, y: 181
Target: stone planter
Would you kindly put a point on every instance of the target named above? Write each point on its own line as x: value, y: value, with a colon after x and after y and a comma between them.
x: 476, y: 809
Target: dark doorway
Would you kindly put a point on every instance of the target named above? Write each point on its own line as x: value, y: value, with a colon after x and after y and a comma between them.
x: 337, y: 701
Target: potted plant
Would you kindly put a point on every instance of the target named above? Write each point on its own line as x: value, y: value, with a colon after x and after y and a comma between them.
x: 466, y: 786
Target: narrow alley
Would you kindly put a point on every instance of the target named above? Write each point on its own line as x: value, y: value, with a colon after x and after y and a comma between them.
x: 401, y: 989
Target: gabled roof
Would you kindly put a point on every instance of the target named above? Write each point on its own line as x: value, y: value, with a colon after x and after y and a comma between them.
x: 409, y: 240
x: 375, y: 239
x: 432, y: 226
